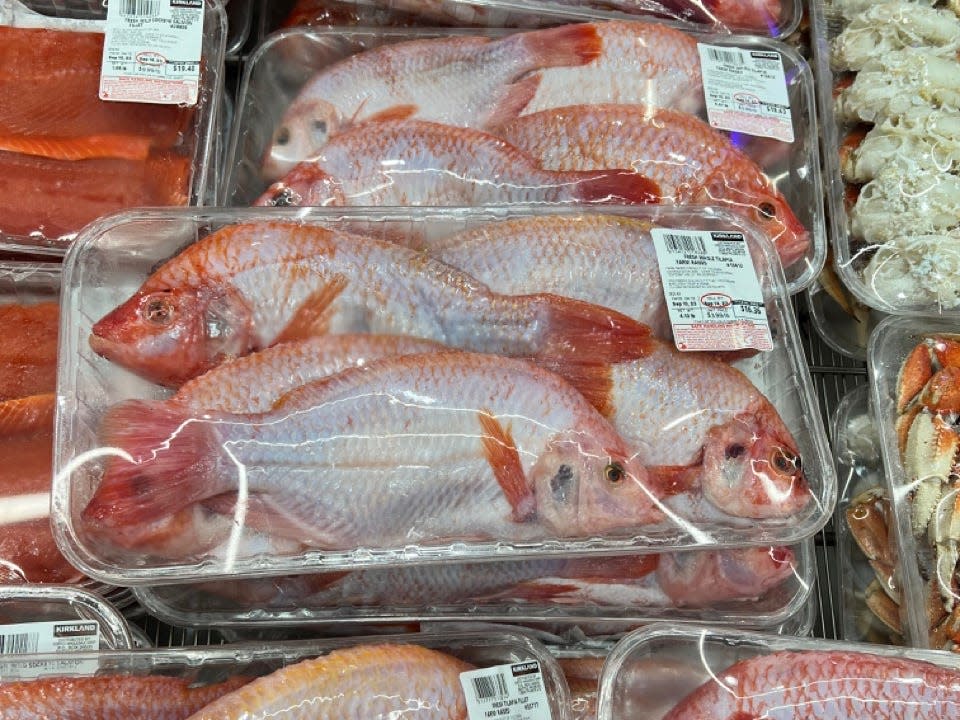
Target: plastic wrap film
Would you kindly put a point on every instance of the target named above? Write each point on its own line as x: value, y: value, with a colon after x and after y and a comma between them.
x: 755, y: 587
x: 599, y: 113
x: 239, y: 25
x: 417, y: 675
x: 896, y: 101
x: 866, y: 556
x: 35, y: 603
x: 912, y: 368
x: 769, y: 18
x: 539, y: 482
x: 58, y: 139
x: 667, y: 673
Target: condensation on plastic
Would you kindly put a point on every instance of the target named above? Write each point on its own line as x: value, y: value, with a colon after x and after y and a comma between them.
x: 203, y: 666
x: 45, y: 603
x: 112, y: 259
x: 613, y: 605
x: 890, y: 344
x: 282, y: 65
x: 89, y: 16
x: 652, y: 670
x: 856, y: 443
x: 532, y: 13
x: 890, y: 270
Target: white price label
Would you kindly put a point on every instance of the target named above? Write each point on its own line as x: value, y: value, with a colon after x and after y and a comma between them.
x: 506, y: 692
x: 151, y: 52
x: 60, y: 636
x: 713, y: 294
x: 746, y: 91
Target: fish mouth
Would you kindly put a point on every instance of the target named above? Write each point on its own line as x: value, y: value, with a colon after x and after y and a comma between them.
x: 102, y: 346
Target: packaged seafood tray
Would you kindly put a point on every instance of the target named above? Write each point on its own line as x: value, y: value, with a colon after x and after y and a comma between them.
x: 768, y: 18
x: 895, y: 163
x: 597, y: 112
x: 47, y: 604
x: 97, y: 156
x: 417, y: 675
x: 753, y: 587
x: 681, y: 673
x: 866, y: 557
x: 912, y: 369
x: 643, y: 482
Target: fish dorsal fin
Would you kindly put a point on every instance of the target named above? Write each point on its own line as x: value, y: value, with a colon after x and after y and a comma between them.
x: 397, y: 112
x: 501, y: 453
x: 312, y: 317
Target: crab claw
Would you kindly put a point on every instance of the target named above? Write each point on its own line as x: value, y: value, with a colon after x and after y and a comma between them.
x: 947, y: 350
x: 848, y: 155
x: 916, y: 371
x: 942, y: 393
x: 881, y: 605
x: 868, y: 520
x: 928, y: 458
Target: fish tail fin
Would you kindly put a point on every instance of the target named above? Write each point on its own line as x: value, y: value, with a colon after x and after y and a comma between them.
x: 171, y: 455
x: 577, y: 331
x: 565, y: 45
x: 515, y: 98
x: 593, y: 380
x: 615, y: 186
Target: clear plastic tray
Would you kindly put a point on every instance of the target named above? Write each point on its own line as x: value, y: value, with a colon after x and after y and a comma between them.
x: 285, y: 62
x: 651, y: 671
x: 89, y: 16
x: 198, y: 667
x: 198, y: 605
x: 112, y: 259
x: 846, y: 333
x: 239, y: 25
x: 891, y: 344
x: 276, y: 15
x: 880, y: 264
x: 36, y: 603
x: 856, y: 440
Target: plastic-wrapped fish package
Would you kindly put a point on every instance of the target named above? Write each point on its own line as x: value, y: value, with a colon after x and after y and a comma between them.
x: 754, y: 587
x: 895, y: 211
x: 21, y: 605
x: 288, y: 14
x: 75, y: 157
x: 770, y: 18
x: 599, y: 112
x: 426, y: 676
x: 913, y: 365
x: 666, y: 673
x: 544, y: 414
x: 866, y: 555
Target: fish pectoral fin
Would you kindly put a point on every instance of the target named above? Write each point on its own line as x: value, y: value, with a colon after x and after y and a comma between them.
x: 532, y: 591
x: 312, y: 317
x: 501, y: 453
x: 397, y: 112
x: 675, y: 479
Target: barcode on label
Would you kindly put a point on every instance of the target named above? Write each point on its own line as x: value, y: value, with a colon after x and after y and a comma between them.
x: 490, y: 687
x: 142, y: 8
x: 684, y: 244
x: 19, y: 643
x: 732, y: 57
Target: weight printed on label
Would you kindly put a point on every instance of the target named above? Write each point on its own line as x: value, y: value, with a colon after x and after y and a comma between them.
x: 59, y: 636
x: 507, y: 692
x: 746, y: 91
x: 712, y: 291
x: 151, y: 52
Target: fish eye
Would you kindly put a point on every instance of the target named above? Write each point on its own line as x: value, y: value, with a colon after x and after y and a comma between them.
x: 613, y: 473
x: 785, y: 461
x: 283, y: 136
x: 284, y: 197
x: 320, y: 127
x: 159, y: 311
x: 734, y: 451
x: 767, y: 210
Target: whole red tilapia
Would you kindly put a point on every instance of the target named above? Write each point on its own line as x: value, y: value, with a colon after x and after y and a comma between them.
x: 464, y: 81
x: 837, y: 685
x: 246, y: 287
x: 413, y: 162
x: 688, y: 160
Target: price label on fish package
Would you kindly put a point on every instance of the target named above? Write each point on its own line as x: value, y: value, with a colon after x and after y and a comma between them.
x: 151, y: 53
x: 60, y: 636
x: 713, y: 294
x: 507, y: 692
x: 746, y: 91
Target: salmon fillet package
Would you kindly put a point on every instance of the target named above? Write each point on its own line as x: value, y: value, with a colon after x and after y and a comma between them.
x: 422, y: 676
x: 66, y: 156
x: 254, y: 393
x: 605, y: 112
x: 672, y: 673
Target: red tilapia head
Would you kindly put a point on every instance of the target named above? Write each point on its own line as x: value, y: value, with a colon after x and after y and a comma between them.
x: 763, y: 15
x: 305, y: 128
x: 171, y: 336
x: 583, y: 488
x: 752, y: 467
x: 307, y: 185
x: 700, y: 578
